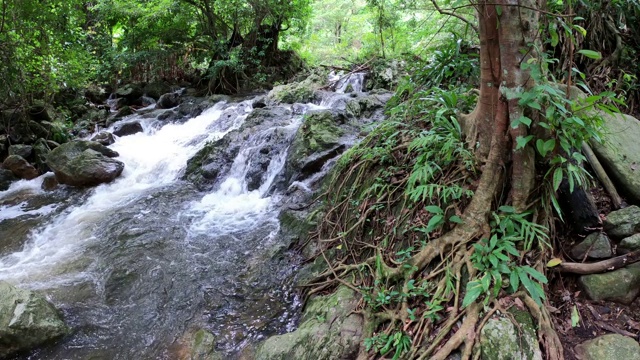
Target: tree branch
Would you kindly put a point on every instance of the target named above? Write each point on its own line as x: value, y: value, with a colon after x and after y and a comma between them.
x: 452, y: 13
x: 601, y: 266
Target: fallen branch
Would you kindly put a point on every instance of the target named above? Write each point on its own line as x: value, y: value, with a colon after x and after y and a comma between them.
x: 601, y: 266
x: 602, y: 175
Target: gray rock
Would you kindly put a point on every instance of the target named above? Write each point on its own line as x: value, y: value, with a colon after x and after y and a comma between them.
x: 84, y: 163
x: 624, y: 222
x: 20, y: 167
x: 628, y: 244
x: 131, y: 92
x: 595, y: 246
x: 21, y: 150
x: 122, y: 112
x: 297, y: 92
x: 501, y: 339
x: 622, y: 285
x: 41, y: 150
x: 620, y: 151
x: 168, y: 101
x: 49, y: 182
x: 318, y: 134
x: 104, y: 137
x: 156, y: 89
x: 127, y: 129
x: 328, y: 330
x: 6, y: 178
x: 609, y: 347
x: 26, y: 320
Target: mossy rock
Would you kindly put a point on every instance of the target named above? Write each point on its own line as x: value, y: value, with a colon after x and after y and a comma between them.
x: 319, y: 132
x: 502, y: 339
x: 328, y: 330
x: 297, y: 92
x: 27, y: 320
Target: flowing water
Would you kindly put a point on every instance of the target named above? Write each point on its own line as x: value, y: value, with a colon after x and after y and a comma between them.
x: 138, y: 264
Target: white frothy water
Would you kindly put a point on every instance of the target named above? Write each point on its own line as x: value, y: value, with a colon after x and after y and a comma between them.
x: 153, y: 158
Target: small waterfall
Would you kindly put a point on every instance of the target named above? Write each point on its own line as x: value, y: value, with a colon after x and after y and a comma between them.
x: 353, y: 82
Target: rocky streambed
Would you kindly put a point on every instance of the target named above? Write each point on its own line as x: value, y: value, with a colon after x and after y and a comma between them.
x: 183, y: 255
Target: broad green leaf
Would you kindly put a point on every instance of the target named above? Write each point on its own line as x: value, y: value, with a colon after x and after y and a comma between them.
x: 590, y: 54
x: 434, y: 209
x: 535, y: 274
x: 455, y: 219
x: 474, y: 290
x: 557, y: 178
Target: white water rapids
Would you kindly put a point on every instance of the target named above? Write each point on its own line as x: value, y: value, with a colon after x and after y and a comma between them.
x: 138, y: 254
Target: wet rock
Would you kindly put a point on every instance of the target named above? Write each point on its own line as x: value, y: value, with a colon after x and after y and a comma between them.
x: 192, y: 107
x: 501, y: 339
x: 27, y: 320
x: 624, y: 222
x: 259, y: 103
x: 127, y: 129
x: 328, y: 330
x: 41, y: 150
x: 120, y: 104
x: 211, y: 161
x: 619, y: 151
x: 622, y: 285
x: 595, y: 246
x: 104, y: 137
x: 20, y: 167
x: 15, y: 232
x: 49, y: 182
x: 203, y: 346
x: 21, y: 150
x: 297, y: 92
x: 84, y: 163
x: 6, y: 178
x: 629, y: 244
x: 156, y: 89
x: 610, y: 346
x: 168, y: 116
x: 96, y: 94
x: 319, y: 133
x: 168, y: 101
x: 131, y: 92
x: 122, y: 112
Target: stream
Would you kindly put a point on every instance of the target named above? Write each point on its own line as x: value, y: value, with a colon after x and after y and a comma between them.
x: 140, y: 264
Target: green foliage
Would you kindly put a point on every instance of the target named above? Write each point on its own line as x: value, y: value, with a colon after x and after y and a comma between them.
x: 398, y: 343
x: 498, y: 259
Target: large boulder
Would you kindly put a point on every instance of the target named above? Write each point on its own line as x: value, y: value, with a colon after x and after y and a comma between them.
x: 317, y: 138
x: 104, y: 137
x: 595, y: 246
x: 127, y: 129
x: 84, y: 163
x: 329, y: 329
x: 297, y: 92
x: 502, y: 338
x: 131, y: 92
x: 27, y: 320
x: 41, y: 150
x: 156, y: 89
x: 608, y: 347
x: 622, y: 223
x: 20, y: 167
x: 21, y: 150
x: 168, y: 101
x: 622, y: 285
x: 620, y: 151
